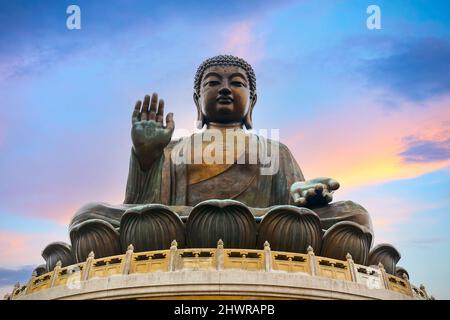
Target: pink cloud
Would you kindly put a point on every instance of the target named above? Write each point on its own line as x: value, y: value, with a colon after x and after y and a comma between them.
x: 242, y: 40
x: 19, y: 249
x: 360, y: 143
x: 391, y: 213
x: 59, y: 213
x: 58, y: 206
x: 54, y: 184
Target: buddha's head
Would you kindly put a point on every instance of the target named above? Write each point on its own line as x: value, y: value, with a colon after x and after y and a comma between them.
x: 225, y: 91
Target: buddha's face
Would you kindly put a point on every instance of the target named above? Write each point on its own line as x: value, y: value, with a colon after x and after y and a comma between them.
x: 224, y: 95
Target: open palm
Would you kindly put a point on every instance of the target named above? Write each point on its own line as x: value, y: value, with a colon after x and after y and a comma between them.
x: 148, y: 132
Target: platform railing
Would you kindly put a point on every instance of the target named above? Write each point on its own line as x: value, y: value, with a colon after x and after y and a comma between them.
x: 218, y: 258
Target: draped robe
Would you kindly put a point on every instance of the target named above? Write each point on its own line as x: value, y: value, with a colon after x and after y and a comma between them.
x: 173, y: 183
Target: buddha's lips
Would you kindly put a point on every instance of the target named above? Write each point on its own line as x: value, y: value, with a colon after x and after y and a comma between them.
x: 224, y: 100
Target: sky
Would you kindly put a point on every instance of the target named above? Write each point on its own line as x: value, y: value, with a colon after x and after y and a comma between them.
x: 368, y: 107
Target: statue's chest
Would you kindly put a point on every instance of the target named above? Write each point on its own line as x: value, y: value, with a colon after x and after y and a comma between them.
x: 219, y: 181
x: 213, y: 159
x: 229, y: 178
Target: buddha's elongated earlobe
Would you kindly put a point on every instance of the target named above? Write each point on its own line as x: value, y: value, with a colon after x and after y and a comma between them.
x: 248, y: 120
x: 200, y: 118
x: 248, y: 117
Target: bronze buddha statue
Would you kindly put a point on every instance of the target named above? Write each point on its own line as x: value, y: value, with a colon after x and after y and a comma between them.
x: 197, y: 201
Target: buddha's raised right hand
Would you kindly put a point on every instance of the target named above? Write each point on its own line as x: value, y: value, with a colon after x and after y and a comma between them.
x: 148, y: 132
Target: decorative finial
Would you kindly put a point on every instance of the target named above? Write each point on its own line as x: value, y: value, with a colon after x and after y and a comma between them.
x: 380, y: 265
x: 404, y: 276
x: 174, y: 243
x: 59, y: 263
x: 34, y: 273
x: 17, y: 285
x: 220, y: 244
x: 130, y: 247
x: 422, y: 287
x: 348, y: 256
x: 91, y: 255
x: 432, y: 298
x: 310, y: 250
x: 267, y: 244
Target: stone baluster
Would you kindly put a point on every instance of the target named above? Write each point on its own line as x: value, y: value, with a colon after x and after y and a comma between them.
x: 88, y: 266
x: 30, y: 283
x: 173, y: 256
x: 384, y: 276
x: 128, y: 259
x: 312, y: 261
x: 352, y: 267
x: 422, y: 287
x: 408, y: 284
x: 219, y: 255
x: 267, y: 257
x: 16, y: 287
x: 55, y: 274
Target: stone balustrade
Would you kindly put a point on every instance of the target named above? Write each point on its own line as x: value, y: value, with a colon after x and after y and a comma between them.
x: 202, y: 259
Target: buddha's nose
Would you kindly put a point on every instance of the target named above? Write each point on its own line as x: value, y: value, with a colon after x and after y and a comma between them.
x: 224, y: 91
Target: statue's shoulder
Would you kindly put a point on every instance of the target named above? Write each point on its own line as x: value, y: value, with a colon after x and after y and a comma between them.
x: 270, y: 142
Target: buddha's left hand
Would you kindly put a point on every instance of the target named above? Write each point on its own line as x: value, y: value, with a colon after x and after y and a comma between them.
x: 314, y: 193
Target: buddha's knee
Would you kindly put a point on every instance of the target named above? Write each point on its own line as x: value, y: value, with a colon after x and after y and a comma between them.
x: 289, y: 228
x: 344, y: 211
x: 388, y: 256
x: 54, y: 253
x: 94, y: 228
x: 347, y: 237
x: 100, y: 211
x: 348, y: 230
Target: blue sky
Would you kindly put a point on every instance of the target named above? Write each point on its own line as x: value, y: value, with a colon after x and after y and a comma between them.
x: 370, y: 108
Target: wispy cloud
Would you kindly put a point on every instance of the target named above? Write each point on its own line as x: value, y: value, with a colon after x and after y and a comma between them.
x: 11, y: 276
x: 418, y: 150
x: 359, y: 143
x: 242, y: 39
x: 415, y: 69
x: 38, y: 38
x: 406, y: 212
x: 25, y: 248
x: 31, y: 60
x: 426, y: 242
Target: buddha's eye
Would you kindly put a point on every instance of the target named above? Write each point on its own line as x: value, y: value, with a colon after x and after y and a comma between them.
x: 238, y: 84
x: 213, y: 83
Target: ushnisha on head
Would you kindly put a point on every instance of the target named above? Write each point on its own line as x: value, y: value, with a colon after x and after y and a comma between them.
x: 225, y: 91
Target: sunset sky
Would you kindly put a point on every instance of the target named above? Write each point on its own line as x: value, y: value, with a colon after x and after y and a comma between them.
x: 370, y: 108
